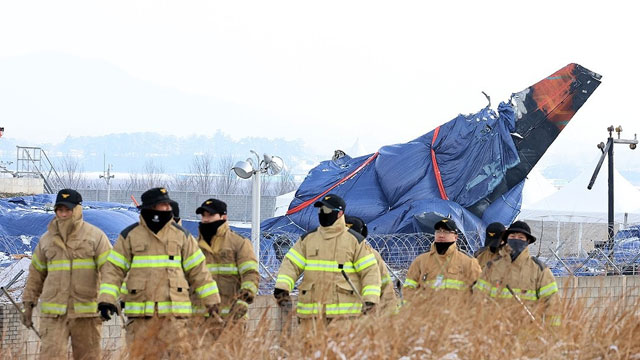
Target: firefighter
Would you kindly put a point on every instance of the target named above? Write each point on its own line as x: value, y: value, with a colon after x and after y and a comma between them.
x: 175, y: 209
x: 321, y: 255
x: 64, y: 275
x: 528, y: 277
x: 493, y: 244
x: 230, y: 259
x: 444, y: 269
x: 388, y: 299
x: 161, y: 261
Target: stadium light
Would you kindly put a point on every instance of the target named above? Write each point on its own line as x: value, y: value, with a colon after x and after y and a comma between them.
x: 270, y: 165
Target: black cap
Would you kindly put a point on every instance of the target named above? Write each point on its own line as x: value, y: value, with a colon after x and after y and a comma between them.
x: 494, y: 231
x: 213, y: 206
x: 356, y: 224
x: 446, y: 223
x: 175, y: 209
x: 519, y: 227
x: 69, y: 198
x: 331, y: 201
x: 154, y: 196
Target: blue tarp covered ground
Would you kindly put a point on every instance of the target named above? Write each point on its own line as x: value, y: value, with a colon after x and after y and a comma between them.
x: 396, y: 190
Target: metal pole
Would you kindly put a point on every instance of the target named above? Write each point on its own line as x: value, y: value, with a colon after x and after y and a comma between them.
x: 109, y: 183
x: 610, y: 215
x: 255, y: 214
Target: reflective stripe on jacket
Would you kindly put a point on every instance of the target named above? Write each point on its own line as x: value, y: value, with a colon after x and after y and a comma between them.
x: 159, y: 270
x: 321, y: 255
x: 64, y: 271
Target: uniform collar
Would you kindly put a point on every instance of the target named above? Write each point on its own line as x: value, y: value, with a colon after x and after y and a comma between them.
x: 337, y: 228
x: 453, y: 248
x: 162, y: 231
x: 76, y: 220
x: 522, y: 258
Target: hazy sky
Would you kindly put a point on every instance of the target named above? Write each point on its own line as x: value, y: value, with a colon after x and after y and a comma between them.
x: 327, y: 72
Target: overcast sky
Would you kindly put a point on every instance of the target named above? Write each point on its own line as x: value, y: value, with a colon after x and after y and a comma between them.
x: 326, y: 72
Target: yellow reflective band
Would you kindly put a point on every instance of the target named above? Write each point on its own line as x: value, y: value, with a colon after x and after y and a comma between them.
x: 164, y: 307
x: 548, y: 290
x: 156, y: 261
x: 59, y: 265
x: 287, y: 280
x: 207, y: 289
x: 371, y: 290
x: 90, y: 307
x: 194, y: 260
x: 410, y: 283
x: 296, y: 258
x: 447, y: 284
x: 249, y: 286
x: 53, y: 308
x: 83, y: 264
x: 171, y: 307
x: 307, y: 309
x: 343, y: 308
x: 123, y: 288
x: 102, y: 258
x: 222, y: 269
x: 329, y: 266
x: 248, y: 265
x: 554, y: 320
x: 482, y: 285
x: 37, y: 264
x: 109, y: 289
x: 118, y: 260
x: 386, y: 279
x: 365, y: 262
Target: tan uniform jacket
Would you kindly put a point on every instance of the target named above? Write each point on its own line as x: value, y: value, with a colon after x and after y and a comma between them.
x: 64, y: 270
x: 388, y: 297
x: 319, y: 255
x: 232, y: 264
x: 452, y: 272
x: 528, y: 277
x: 159, y: 268
x: 484, y: 255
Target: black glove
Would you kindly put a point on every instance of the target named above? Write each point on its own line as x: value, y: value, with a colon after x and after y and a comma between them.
x: 282, y: 297
x: 368, y: 307
x: 246, y: 296
x: 106, y: 310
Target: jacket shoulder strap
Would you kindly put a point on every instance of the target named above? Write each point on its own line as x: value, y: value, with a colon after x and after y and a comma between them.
x: 124, y: 233
x: 540, y: 263
x: 185, y: 231
x: 479, y: 251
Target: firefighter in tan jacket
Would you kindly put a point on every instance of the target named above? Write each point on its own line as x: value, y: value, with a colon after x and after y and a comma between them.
x: 230, y: 260
x: 322, y: 254
x: 388, y: 299
x: 161, y: 261
x: 444, y: 269
x: 528, y: 277
x: 64, y: 274
x: 493, y: 244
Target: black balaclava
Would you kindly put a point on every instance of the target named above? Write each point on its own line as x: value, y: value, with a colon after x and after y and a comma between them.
x: 327, y: 219
x: 156, y: 219
x: 442, y: 247
x: 517, y: 246
x: 209, y: 230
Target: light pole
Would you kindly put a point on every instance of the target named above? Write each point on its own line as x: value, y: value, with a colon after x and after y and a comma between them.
x: 107, y: 176
x: 271, y: 165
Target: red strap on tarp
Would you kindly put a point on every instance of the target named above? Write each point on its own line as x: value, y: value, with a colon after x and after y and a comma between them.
x: 436, y: 169
x: 352, y: 174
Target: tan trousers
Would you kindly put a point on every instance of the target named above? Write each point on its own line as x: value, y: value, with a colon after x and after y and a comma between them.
x: 155, y: 337
x: 85, y: 333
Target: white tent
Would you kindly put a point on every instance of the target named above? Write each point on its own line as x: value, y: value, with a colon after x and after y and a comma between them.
x: 536, y: 188
x: 575, y: 203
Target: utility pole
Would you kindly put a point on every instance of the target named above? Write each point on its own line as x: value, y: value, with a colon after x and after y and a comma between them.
x: 607, y: 150
x: 107, y: 176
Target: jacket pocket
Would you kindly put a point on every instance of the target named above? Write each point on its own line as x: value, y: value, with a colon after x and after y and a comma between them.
x: 346, y: 293
x: 179, y: 289
x: 49, y: 291
x: 138, y: 246
x: 306, y: 291
x: 136, y: 290
x: 87, y: 289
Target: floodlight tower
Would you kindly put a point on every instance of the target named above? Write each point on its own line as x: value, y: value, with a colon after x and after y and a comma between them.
x: 270, y: 165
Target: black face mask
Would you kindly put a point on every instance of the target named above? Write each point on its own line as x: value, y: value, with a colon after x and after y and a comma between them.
x: 492, y: 244
x: 442, y: 247
x: 517, y: 247
x: 156, y: 219
x: 327, y: 219
x: 209, y: 230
